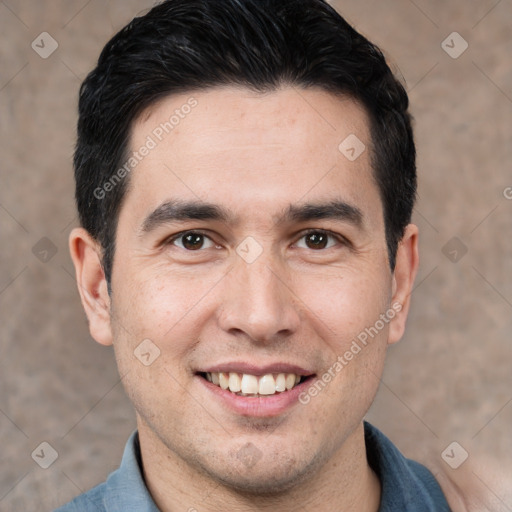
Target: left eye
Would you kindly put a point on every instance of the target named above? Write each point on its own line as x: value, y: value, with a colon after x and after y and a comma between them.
x: 318, y: 239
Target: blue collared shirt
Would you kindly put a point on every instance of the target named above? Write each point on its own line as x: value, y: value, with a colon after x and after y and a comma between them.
x: 407, y: 486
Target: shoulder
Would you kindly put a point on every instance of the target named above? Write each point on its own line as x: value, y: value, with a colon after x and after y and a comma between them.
x: 464, y: 490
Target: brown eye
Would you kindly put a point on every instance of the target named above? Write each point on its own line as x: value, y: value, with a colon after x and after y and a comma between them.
x: 318, y: 239
x: 191, y: 240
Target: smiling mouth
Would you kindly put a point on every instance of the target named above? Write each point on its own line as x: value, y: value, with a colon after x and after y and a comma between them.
x: 243, y: 384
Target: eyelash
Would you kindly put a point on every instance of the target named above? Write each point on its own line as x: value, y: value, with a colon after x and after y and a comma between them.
x: 341, y: 240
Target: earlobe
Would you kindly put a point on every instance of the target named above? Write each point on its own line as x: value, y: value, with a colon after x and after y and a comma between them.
x: 406, y: 268
x: 92, y: 285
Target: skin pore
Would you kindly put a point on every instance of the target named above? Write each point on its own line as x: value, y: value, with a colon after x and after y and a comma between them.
x: 313, y: 285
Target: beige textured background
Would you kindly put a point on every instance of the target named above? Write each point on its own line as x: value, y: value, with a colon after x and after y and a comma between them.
x: 449, y: 379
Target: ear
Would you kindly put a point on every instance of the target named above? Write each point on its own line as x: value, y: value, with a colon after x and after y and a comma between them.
x: 406, y: 268
x: 92, y: 285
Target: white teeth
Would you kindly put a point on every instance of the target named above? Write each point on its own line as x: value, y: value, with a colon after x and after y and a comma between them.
x: 246, y: 384
x: 281, y: 382
x: 235, y: 382
x: 249, y: 384
x: 223, y: 380
x: 267, y: 385
x: 290, y: 380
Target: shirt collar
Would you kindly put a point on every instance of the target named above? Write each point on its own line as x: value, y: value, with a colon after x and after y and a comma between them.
x: 126, y: 487
x: 406, y: 484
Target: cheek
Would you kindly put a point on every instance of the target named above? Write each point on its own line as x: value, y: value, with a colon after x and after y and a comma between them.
x: 152, y: 335
x: 346, y: 317
x: 157, y: 304
x: 346, y: 303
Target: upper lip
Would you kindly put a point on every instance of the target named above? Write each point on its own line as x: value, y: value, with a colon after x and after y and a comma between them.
x: 257, y: 370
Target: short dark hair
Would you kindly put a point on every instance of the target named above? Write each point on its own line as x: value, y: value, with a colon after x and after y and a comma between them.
x: 187, y: 45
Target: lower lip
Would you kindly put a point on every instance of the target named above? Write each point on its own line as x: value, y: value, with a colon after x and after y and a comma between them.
x: 261, y: 406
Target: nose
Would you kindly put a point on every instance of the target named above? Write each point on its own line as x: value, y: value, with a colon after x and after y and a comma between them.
x: 258, y: 301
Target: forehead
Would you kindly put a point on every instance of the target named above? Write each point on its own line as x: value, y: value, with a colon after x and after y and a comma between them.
x: 258, y: 152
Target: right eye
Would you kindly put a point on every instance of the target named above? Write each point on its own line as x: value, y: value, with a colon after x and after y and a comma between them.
x: 191, y: 240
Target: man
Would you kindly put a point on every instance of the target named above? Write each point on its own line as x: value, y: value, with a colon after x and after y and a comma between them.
x: 245, y: 177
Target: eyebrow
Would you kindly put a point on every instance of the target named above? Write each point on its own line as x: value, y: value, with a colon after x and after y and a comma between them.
x: 176, y: 210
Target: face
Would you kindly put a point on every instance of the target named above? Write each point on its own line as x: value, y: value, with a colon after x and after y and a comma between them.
x: 271, y: 275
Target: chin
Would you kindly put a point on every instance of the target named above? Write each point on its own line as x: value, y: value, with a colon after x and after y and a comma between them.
x: 268, y: 485
x: 271, y: 475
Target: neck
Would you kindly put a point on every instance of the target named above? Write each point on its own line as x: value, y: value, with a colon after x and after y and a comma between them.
x: 344, y: 482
